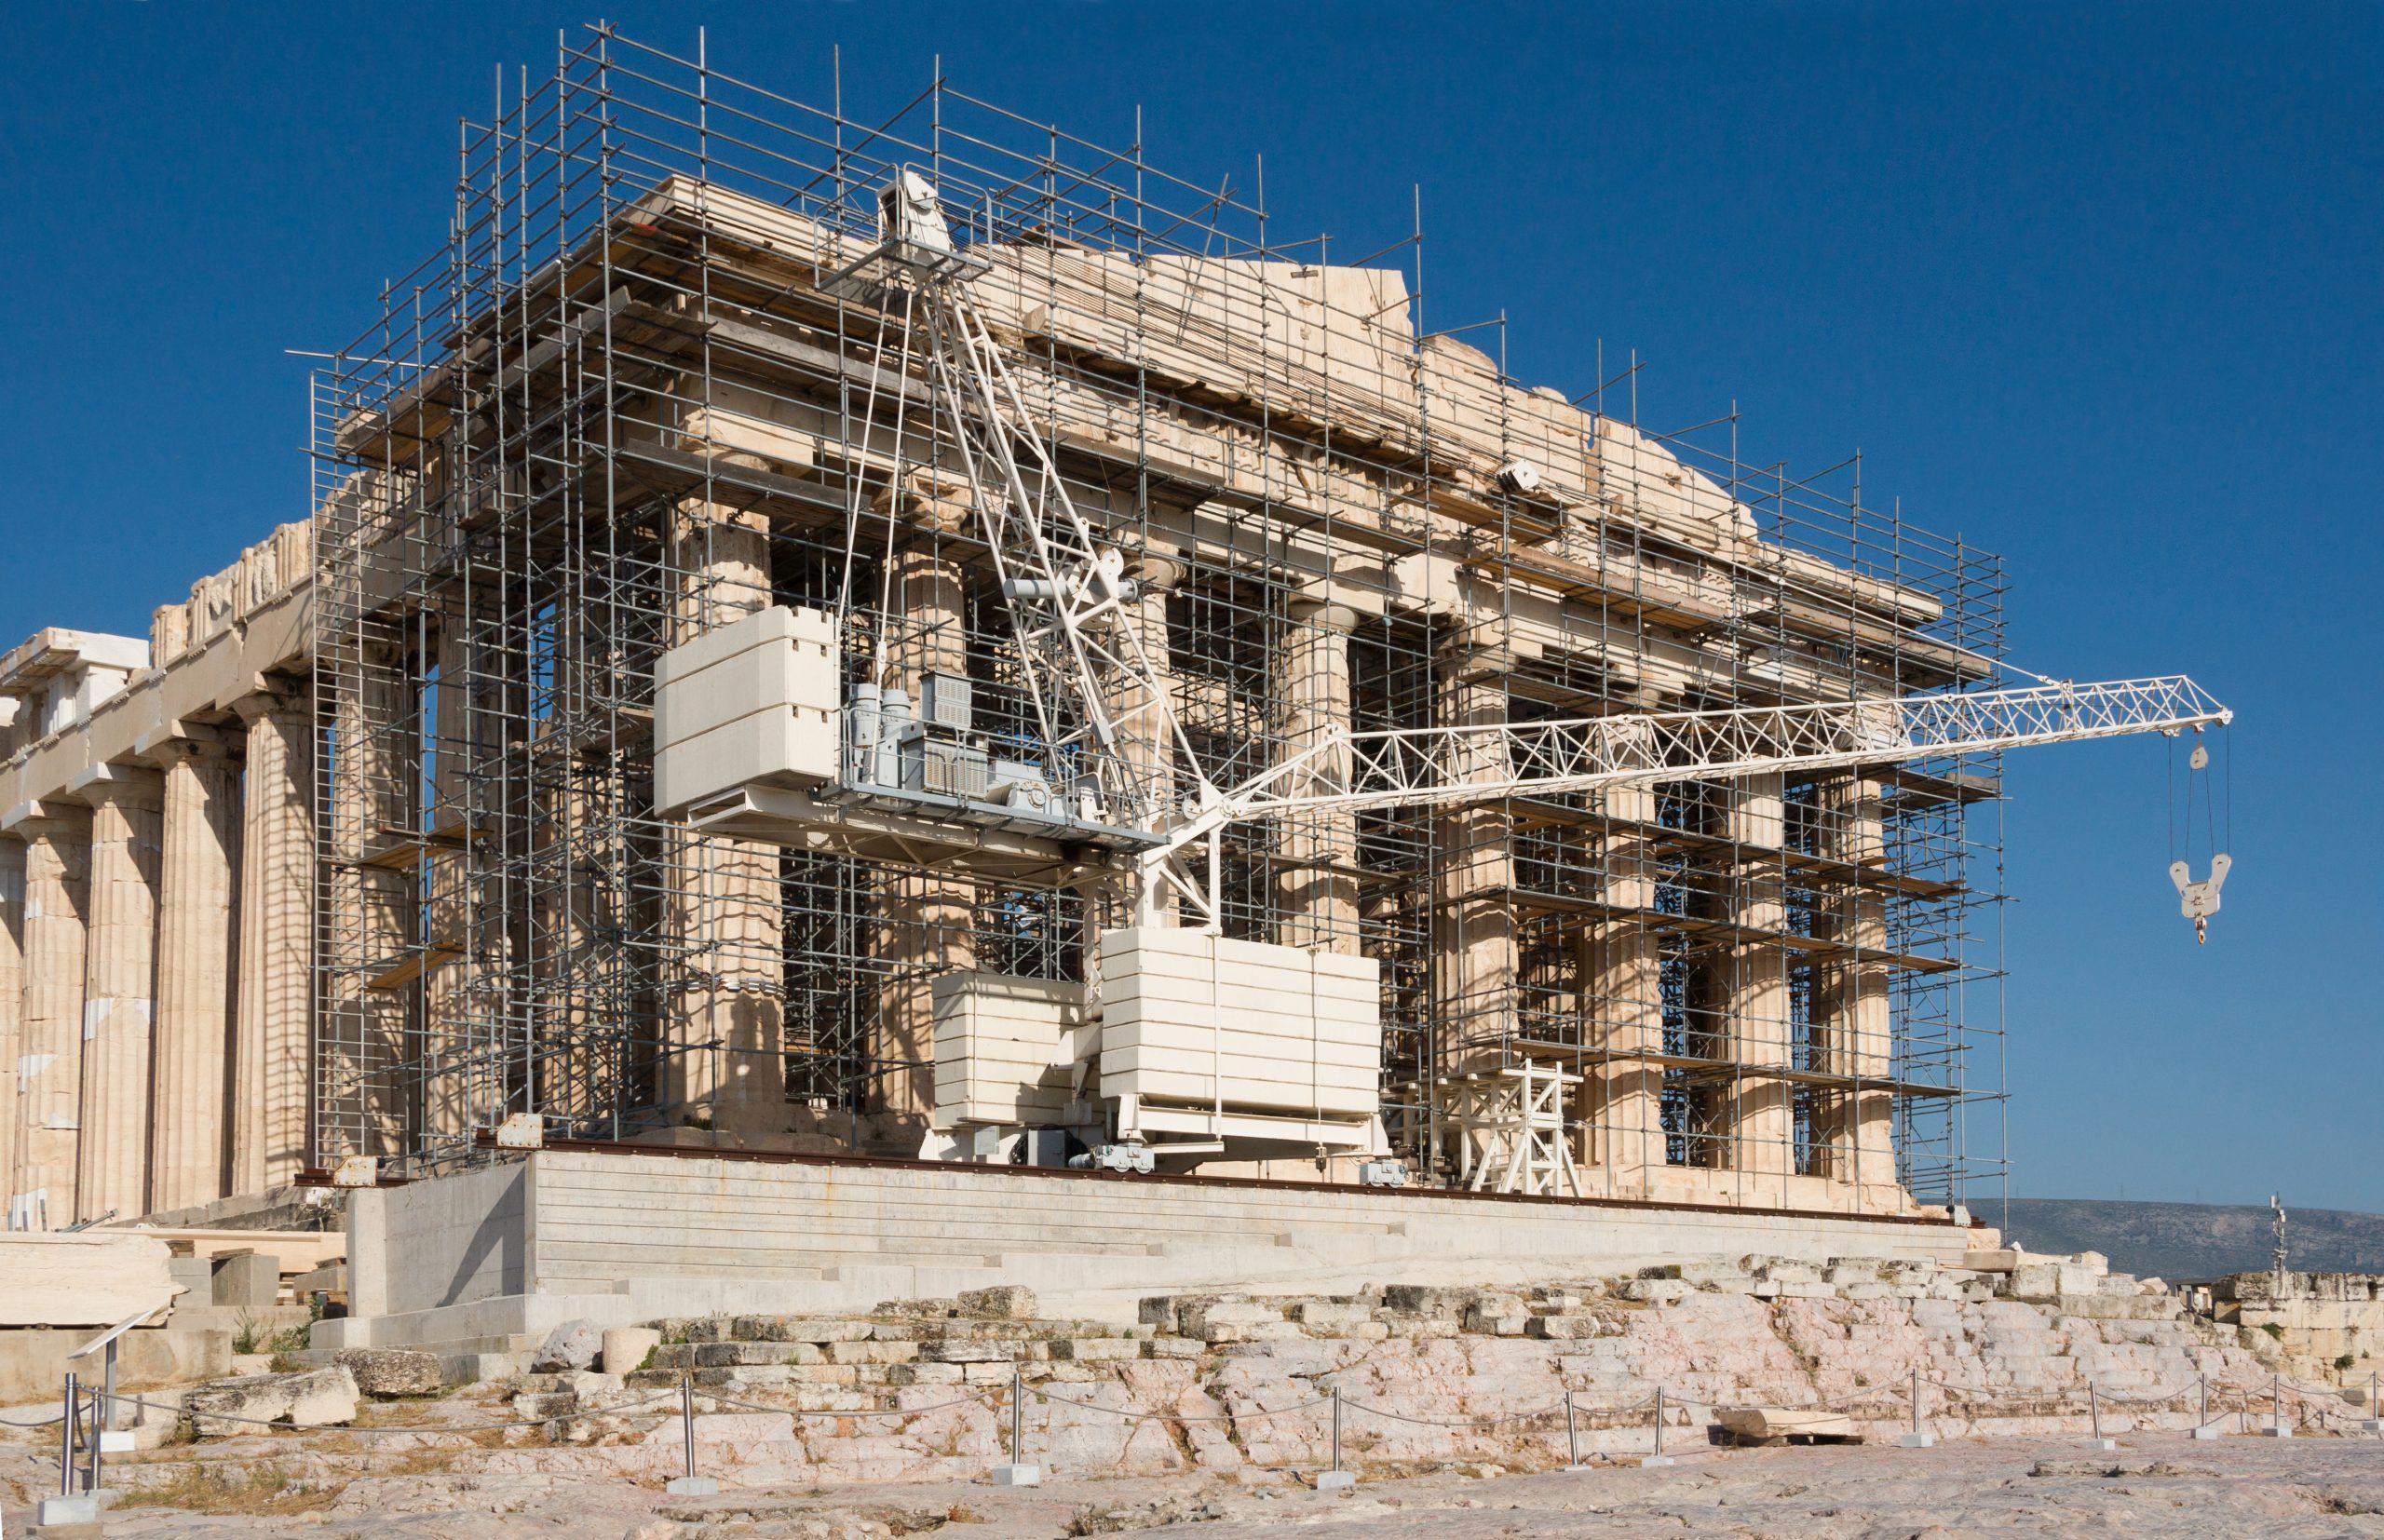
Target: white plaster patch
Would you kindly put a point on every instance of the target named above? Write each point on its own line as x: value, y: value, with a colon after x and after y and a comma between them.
x: 60, y: 1123
x: 30, y: 1064
x: 95, y: 1012
x: 25, y: 1210
x: 33, y: 908
x: 146, y: 1010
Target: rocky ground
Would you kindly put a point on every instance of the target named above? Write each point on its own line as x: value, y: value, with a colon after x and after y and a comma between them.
x: 2157, y: 1485
x: 1212, y: 1415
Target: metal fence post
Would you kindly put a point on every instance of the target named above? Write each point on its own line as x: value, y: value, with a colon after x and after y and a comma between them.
x: 687, y: 1418
x: 1659, y: 1421
x: 1017, y: 1415
x: 66, y: 1442
x: 1572, y: 1435
x: 1915, y: 1400
x: 1336, y: 1427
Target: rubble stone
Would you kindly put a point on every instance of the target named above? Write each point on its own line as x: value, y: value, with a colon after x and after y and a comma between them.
x: 392, y: 1371
x: 317, y: 1398
x: 574, y: 1344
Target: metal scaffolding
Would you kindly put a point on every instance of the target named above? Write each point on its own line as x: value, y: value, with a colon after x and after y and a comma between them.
x: 636, y: 394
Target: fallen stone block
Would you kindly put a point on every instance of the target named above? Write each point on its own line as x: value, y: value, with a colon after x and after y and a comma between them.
x: 869, y: 1351
x: 1096, y: 1349
x: 1328, y: 1317
x: 1782, y: 1424
x: 795, y: 1329
x: 1568, y: 1327
x: 545, y: 1406
x: 574, y: 1344
x: 971, y: 1352
x: 1008, y: 1301
x: 319, y: 1398
x: 624, y: 1349
x: 1429, y: 1300
x: 391, y: 1372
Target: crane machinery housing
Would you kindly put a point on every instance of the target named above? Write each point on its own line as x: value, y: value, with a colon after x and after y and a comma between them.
x: 937, y: 638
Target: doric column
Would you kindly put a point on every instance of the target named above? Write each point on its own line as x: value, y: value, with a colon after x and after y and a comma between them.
x: 1316, y: 886
x: 1760, y: 1127
x: 928, y: 922
x: 272, y: 1064
x: 197, y: 954
x: 58, y: 890
x: 1854, y: 1033
x: 1474, y: 954
x: 12, y: 992
x: 724, y: 1007
x: 1627, y: 1007
x: 462, y: 1089
x: 120, y: 994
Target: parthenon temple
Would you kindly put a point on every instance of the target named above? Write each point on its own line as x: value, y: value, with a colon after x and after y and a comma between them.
x: 358, y: 860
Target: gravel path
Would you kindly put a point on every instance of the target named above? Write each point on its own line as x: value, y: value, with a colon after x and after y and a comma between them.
x: 2158, y: 1485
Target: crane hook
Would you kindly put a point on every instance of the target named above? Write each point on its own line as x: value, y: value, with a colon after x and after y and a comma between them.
x: 2198, y: 900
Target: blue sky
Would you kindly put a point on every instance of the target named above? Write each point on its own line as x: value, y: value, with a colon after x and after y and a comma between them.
x: 2097, y: 288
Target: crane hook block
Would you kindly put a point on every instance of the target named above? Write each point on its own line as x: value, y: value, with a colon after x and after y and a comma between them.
x: 2198, y: 900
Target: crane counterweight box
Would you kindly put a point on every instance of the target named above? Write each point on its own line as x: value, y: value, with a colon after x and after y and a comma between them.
x: 753, y: 702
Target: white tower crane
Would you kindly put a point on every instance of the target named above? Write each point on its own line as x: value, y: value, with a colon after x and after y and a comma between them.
x: 864, y: 776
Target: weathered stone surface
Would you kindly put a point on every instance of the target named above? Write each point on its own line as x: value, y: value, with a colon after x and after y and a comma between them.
x: 624, y: 1349
x: 317, y: 1398
x: 390, y: 1372
x: 1008, y: 1301
x: 798, y: 1329
x: 574, y: 1344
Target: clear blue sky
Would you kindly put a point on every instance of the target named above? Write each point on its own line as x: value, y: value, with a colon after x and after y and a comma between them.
x: 2098, y: 287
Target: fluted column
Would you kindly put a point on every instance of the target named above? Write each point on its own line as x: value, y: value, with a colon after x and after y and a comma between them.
x: 12, y: 991
x: 1316, y: 888
x: 725, y: 1012
x: 197, y: 954
x: 41, y: 1195
x: 271, y: 1064
x: 1761, y: 1117
x: 1627, y: 1010
x: 119, y: 995
x: 928, y: 920
x: 1474, y: 958
x: 1853, y: 1030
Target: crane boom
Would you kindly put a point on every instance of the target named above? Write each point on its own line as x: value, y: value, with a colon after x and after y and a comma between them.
x: 1428, y: 766
x: 1092, y: 683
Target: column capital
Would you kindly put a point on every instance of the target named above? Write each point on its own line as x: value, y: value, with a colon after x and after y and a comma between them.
x: 271, y: 697
x: 129, y: 785
x: 185, y: 743
x: 1156, y: 569
x: 1309, y: 610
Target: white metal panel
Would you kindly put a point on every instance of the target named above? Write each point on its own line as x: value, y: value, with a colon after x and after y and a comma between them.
x: 1004, y: 1048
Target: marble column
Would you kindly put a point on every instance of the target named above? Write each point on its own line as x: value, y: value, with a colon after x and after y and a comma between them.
x: 13, y: 995
x: 272, y: 1061
x: 1316, y: 886
x: 928, y: 921
x: 1853, y: 1032
x: 120, y: 994
x: 1627, y: 1009
x: 1760, y: 1122
x: 58, y: 891
x: 1475, y: 966
x: 725, y: 1005
x: 197, y: 954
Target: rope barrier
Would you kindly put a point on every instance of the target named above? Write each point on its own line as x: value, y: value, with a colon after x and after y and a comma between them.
x: 2245, y: 1399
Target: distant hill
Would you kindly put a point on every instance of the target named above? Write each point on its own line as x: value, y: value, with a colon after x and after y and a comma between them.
x: 2194, y: 1240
